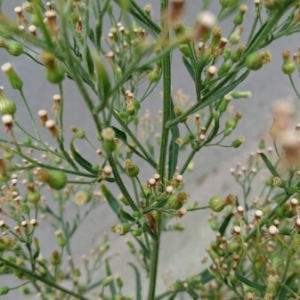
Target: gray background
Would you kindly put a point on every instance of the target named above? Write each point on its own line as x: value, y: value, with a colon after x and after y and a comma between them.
x: 180, y: 253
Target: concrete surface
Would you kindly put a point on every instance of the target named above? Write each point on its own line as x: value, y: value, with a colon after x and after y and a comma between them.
x: 180, y: 252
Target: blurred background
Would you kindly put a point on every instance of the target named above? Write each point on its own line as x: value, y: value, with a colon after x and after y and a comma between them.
x: 181, y: 253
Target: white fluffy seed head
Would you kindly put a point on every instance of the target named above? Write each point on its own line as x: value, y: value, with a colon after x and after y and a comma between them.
x: 294, y: 202
x: 212, y: 70
x: 297, y: 222
x: 240, y: 209
x: 50, y: 124
x: 258, y: 213
x: 18, y: 9
x: 169, y: 189
x: 206, y: 19
x: 151, y: 181
x: 6, y: 67
x: 42, y: 113
x: 7, y: 119
x: 273, y: 230
x: 237, y: 229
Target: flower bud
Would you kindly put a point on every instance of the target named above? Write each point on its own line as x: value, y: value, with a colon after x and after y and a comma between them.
x: 55, y: 258
x: 4, y: 290
x: 239, y: 95
x: 121, y: 229
x: 225, y: 67
x: 217, y: 203
x: 57, y: 180
x: 131, y: 169
x: 238, y: 53
x: 109, y: 144
x: 82, y: 197
x: 7, y: 121
x: 185, y: 50
x: 15, y: 81
x: 279, y: 182
x: 256, y: 60
x: 33, y: 196
x: 137, y: 232
x: 14, y: 48
x: 154, y: 75
x: 236, y: 35
x: 224, y: 103
x: 238, y: 19
x: 231, y: 123
x: 7, y: 107
x: 177, y: 201
x: 238, y: 142
x: 54, y: 71
x: 288, y: 66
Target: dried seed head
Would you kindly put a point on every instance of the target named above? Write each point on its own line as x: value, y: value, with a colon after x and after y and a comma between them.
x: 156, y: 177
x: 206, y: 21
x: 107, y: 171
x: 50, y: 124
x: 258, y: 215
x: 236, y: 230
x: 32, y: 30
x: 181, y: 212
x: 34, y: 222
x: 43, y: 117
x: 152, y: 183
x: 240, y: 211
x: 7, y: 120
x: 169, y: 189
x: 294, y: 203
x: 273, y: 230
x: 211, y: 71
x: 276, y: 223
x: 297, y: 222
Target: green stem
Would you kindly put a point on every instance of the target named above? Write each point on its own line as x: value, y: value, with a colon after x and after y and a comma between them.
x: 294, y: 87
x: 187, y: 162
x: 167, y: 104
x: 30, y: 274
x: 120, y: 183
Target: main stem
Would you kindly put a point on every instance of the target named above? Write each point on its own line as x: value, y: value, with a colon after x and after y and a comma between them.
x: 166, y: 71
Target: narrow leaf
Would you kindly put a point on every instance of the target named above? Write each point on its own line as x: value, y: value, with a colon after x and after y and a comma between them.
x: 138, y: 282
x: 112, y: 201
x: 283, y: 292
x: 189, y: 67
x: 215, y: 129
x: 125, y: 214
x: 269, y: 165
x: 225, y: 223
x: 112, y: 282
x: 173, y: 146
x: 250, y: 283
x: 80, y: 160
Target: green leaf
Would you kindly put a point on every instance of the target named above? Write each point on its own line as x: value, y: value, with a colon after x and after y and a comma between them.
x: 269, y: 165
x: 138, y: 282
x: 89, y: 61
x: 283, y: 291
x: 172, y: 297
x: 173, y: 146
x: 206, y: 276
x: 112, y: 283
x: 120, y: 134
x: 250, y: 283
x: 80, y: 160
x: 125, y: 214
x: 103, y: 81
x: 211, y: 97
x: 112, y: 201
x: 189, y: 67
x: 225, y: 223
x: 145, y: 249
x: 216, y: 127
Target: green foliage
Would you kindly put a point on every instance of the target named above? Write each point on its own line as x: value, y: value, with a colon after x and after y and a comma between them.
x: 255, y: 252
